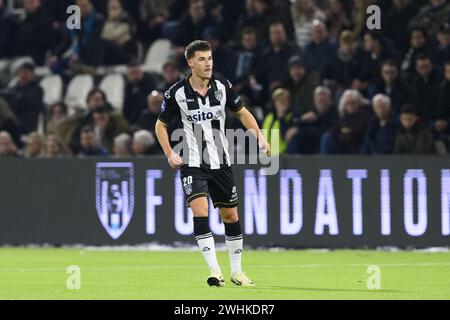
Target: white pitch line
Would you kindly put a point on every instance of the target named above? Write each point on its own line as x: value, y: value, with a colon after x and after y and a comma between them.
x: 284, y: 266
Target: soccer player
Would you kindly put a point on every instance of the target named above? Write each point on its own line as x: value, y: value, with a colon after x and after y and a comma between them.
x: 199, y: 101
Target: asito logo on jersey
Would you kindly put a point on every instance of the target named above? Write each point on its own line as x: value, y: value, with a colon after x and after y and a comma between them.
x: 200, y: 116
x: 115, y: 196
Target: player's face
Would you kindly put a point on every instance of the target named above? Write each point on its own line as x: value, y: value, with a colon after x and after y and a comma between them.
x: 202, y: 64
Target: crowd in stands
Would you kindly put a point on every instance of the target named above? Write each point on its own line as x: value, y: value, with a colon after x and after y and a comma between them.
x: 309, y: 68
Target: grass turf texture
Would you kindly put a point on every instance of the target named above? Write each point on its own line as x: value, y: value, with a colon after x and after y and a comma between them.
x: 41, y: 274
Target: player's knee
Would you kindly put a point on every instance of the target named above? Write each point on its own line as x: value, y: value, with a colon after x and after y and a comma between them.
x: 229, y: 215
x: 199, y: 207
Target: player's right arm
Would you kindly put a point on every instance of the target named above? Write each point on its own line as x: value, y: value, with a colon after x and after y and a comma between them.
x: 162, y: 134
x: 169, y: 110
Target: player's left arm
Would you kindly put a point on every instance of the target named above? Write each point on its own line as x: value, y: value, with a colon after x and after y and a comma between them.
x: 249, y: 122
x: 235, y: 104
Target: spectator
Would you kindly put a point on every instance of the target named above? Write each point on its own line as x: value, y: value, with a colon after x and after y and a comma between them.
x: 391, y: 85
x: 153, y: 14
x: 89, y: 143
x: 119, y: 30
x: 380, y: 135
x: 247, y: 57
x: 256, y: 16
x: 70, y: 130
x: 144, y: 143
x: 96, y: 99
x: 347, y: 134
x: 34, y: 35
x: 107, y: 126
x: 444, y: 94
x: 396, y: 23
x: 192, y: 25
x: 413, y: 137
x: 122, y: 146
x: 57, y: 115
x: 274, y: 61
x: 375, y: 53
x: 346, y: 65
x: 320, y: 51
x: 432, y: 16
x: 7, y: 146
x: 280, y: 120
x: 170, y: 75
x: 81, y: 46
x: 224, y: 57
x: 424, y: 89
x: 419, y: 45
x: 148, y: 118
x: 360, y: 16
x: 301, y: 83
x: 138, y: 86
x: 34, y: 146
x: 54, y: 148
x: 441, y: 128
x: 443, y: 49
x: 336, y: 18
x: 312, y: 125
x: 7, y: 30
x: 304, y: 12
x: 26, y: 98
x: 8, y: 121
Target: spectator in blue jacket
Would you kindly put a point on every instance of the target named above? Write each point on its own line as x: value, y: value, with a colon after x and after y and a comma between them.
x: 320, y: 51
x: 380, y: 135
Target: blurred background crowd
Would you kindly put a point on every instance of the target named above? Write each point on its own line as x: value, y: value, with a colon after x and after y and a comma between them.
x: 309, y: 68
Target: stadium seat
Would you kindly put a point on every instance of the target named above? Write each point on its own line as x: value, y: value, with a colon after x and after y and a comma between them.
x: 4, y: 64
x: 157, y: 55
x: 78, y: 90
x: 53, y: 89
x: 114, y: 85
x: 12, y: 83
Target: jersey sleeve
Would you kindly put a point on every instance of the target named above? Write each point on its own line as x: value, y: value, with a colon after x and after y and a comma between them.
x: 234, y: 102
x: 169, y: 108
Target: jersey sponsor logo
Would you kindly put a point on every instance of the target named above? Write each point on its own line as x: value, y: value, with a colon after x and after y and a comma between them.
x: 187, y: 100
x: 200, y: 116
x: 163, y: 106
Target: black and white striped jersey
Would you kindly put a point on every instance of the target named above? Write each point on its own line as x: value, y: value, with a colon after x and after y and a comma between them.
x: 203, y: 120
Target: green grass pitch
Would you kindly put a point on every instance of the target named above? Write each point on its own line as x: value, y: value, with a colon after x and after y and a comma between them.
x: 41, y: 273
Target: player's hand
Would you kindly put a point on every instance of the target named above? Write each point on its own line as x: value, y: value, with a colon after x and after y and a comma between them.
x: 264, y: 147
x: 175, y: 161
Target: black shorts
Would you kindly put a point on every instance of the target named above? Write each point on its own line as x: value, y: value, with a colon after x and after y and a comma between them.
x: 217, y: 183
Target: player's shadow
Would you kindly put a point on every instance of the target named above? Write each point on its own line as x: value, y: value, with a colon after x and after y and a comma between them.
x: 332, y: 289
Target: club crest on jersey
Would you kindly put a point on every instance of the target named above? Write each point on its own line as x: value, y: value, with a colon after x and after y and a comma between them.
x: 114, y: 188
x: 219, y: 95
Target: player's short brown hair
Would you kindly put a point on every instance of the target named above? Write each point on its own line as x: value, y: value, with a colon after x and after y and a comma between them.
x: 197, y: 45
